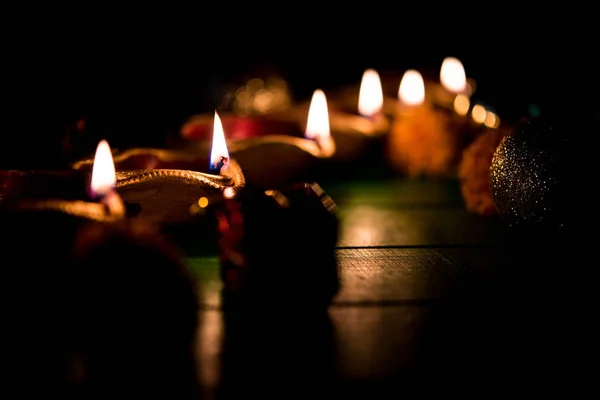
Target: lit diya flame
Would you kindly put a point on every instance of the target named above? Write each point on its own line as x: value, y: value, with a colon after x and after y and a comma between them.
x: 317, y: 123
x: 104, y: 180
x: 412, y: 88
x: 219, y: 155
x: 107, y: 204
x: 370, y: 97
x: 104, y: 176
x: 452, y: 75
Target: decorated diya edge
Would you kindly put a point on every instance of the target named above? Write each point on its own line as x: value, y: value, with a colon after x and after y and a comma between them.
x: 113, y: 210
x: 120, y: 156
x: 76, y: 208
x: 377, y: 126
x: 230, y: 176
x: 321, y: 148
x: 342, y: 122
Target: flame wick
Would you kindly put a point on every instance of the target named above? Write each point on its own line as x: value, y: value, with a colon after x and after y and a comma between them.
x: 219, y: 165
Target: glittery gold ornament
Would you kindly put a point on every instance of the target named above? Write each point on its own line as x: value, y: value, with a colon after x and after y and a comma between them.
x: 540, y: 174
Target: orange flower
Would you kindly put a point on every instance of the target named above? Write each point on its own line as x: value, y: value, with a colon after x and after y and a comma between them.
x: 421, y: 143
x: 474, y: 171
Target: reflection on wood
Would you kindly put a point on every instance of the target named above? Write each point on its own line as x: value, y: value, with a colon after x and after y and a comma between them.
x: 428, y: 291
x: 383, y: 225
x: 365, y: 351
x: 372, y: 276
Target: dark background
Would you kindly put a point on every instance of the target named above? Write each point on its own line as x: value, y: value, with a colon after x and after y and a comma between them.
x: 133, y: 75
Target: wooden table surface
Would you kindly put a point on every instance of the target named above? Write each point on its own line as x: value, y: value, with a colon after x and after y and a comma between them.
x: 432, y: 299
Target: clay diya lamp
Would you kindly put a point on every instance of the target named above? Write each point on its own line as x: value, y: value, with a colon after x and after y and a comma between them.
x: 162, y: 185
x: 269, y: 158
x: 353, y: 127
x: 89, y: 195
x: 357, y: 121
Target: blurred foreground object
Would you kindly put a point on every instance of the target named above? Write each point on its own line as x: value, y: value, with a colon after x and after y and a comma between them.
x: 474, y: 171
x: 279, y: 244
x: 97, y: 305
x: 136, y: 308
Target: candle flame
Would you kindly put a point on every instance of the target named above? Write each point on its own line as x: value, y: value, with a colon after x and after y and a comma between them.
x: 478, y: 113
x: 370, y: 97
x: 452, y: 75
x: 219, y: 155
x: 412, y: 88
x: 317, y: 124
x: 104, y: 176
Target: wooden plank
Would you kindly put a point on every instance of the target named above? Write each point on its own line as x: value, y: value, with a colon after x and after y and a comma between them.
x: 404, y: 317
x: 356, y: 351
x: 422, y: 276
x: 405, y: 276
x: 362, y: 333
x: 380, y: 276
x: 348, y: 351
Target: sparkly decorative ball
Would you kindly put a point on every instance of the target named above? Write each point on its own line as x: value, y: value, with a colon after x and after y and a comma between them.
x: 542, y: 173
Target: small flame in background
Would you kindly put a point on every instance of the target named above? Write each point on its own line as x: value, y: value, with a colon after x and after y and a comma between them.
x: 478, y: 113
x: 370, y: 97
x: 491, y: 120
x: 219, y: 152
x: 317, y: 124
x: 104, y: 176
x: 452, y: 75
x: 412, y: 88
x: 462, y: 103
